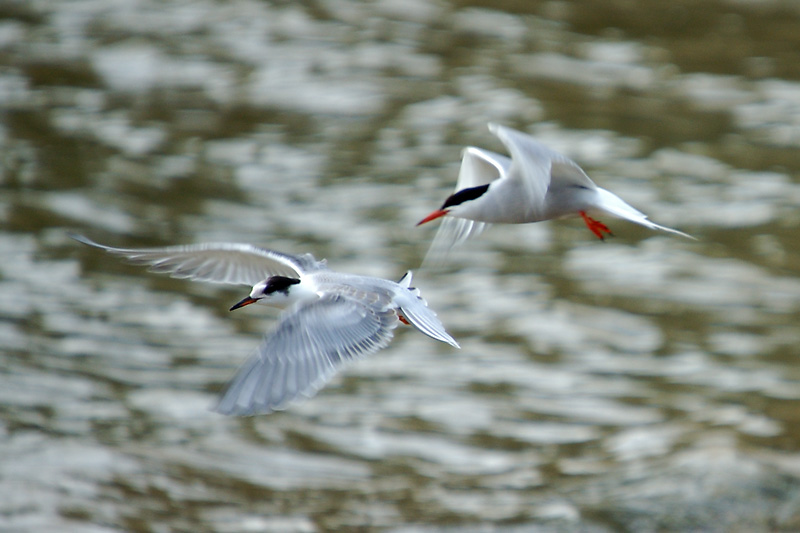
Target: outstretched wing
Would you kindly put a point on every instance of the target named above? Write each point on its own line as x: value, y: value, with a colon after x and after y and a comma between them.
x: 231, y: 263
x: 306, y: 349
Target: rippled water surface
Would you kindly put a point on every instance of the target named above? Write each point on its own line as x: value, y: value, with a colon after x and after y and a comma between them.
x: 646, y: 383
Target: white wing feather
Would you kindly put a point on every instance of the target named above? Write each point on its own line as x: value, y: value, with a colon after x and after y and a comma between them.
x: 478, y: 167
x: 308, y: 346
x: 231, y: 263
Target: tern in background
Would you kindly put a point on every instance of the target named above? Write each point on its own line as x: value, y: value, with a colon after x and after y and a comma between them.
x: 534, y: 184
x: 331, y: 317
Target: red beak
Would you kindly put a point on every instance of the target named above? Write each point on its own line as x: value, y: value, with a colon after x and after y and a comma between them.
x: 245, y: 301
x: 433, y: 216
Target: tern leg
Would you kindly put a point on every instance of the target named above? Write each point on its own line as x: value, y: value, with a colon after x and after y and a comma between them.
x: 595, y: 226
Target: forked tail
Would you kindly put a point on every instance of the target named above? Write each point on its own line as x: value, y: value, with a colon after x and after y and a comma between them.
x: 419, y: 315
x: 616, y: 206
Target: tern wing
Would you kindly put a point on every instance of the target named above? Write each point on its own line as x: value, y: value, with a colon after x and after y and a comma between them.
x: 231, y: 263
x: 539, y: 167
x: 305, y: 350
x: 478, y: 167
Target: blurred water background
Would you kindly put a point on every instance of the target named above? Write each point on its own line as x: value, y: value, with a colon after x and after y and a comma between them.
x: 646, y: 383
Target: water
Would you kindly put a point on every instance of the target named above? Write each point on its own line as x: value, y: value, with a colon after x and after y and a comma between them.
x: 648, y: 383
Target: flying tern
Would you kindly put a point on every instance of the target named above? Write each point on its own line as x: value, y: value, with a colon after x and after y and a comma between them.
x: 536, y: 183
x: 330, y: 317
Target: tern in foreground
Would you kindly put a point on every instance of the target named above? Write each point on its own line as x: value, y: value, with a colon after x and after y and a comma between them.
x: 331, y: 318
x: 535, y: 184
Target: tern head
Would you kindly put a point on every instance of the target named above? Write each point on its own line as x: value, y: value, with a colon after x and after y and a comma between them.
x: 274, y: 291
x: 457, y: 201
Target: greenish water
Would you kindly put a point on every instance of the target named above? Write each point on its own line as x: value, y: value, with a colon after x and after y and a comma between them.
x: 648, y: 383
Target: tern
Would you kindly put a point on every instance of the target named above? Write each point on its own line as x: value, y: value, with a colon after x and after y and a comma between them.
x: 536, y: 183
x: 330, y: 318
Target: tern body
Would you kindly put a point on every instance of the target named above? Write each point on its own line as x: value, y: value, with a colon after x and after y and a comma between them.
x: 535, y: 184
x: 330, y: 318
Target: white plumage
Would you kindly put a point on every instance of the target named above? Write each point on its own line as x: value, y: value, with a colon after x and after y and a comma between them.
x: 534, y: 184
x: 331, y: 317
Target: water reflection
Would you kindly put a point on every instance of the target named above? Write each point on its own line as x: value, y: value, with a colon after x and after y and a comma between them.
x: 641, y: 384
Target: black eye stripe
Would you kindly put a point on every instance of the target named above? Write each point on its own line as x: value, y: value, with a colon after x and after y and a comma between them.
x: 464, y: 195
x: 279, y: 284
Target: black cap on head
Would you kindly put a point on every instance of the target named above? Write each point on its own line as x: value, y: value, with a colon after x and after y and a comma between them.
x: 465, y: 195
x: 279, y: 284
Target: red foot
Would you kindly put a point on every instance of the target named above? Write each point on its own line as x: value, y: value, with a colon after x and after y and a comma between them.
x: 403, y: 320
x: 595, y: 226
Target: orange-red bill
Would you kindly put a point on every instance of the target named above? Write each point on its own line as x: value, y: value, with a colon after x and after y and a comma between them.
x: 433, y: 216
x: 244, y: 301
